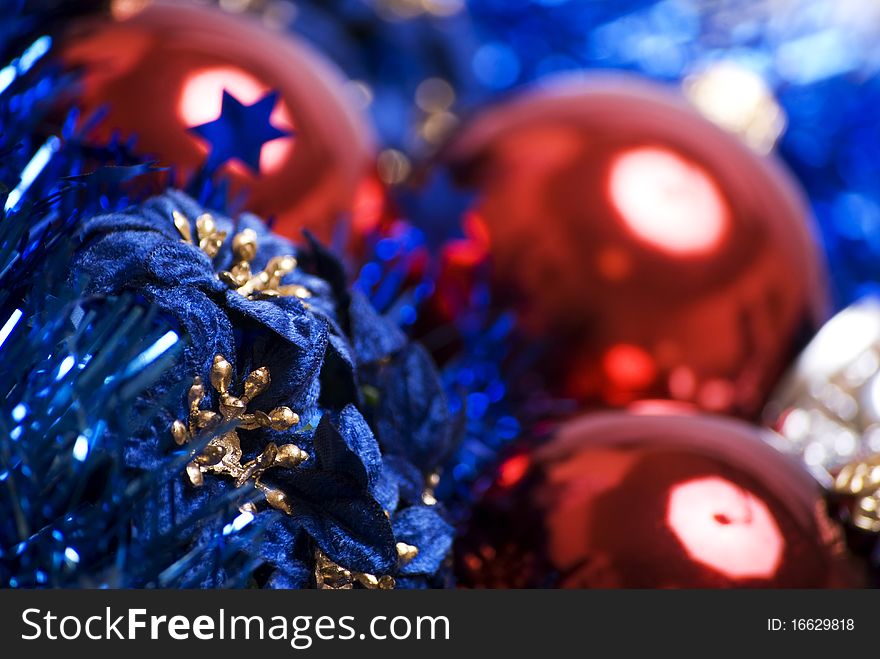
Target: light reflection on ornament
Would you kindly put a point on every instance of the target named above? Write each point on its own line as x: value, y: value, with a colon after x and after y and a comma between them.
x: 669, y: 202
x: 725, y: 527
x: 660, y: 407
x: 124, y: 9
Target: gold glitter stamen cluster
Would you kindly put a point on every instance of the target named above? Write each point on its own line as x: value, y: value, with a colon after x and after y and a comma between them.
x: 240, y: 277
x: 861, y: 480
x: 223, y: 454
x: 330, y: 576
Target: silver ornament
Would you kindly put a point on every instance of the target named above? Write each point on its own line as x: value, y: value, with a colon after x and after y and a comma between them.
x: 827, y: 409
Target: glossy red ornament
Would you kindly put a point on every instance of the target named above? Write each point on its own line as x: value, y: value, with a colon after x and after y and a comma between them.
x: 618, y: 500
x: 656, y: 254
x: 163, y: 71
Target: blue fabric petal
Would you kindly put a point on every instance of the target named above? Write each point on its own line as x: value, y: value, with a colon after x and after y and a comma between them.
x: 338, y: 376
x: 413, y: 419
x: 332, y: 453
x: 346, y: 522
x: 295, y: 371
x: 387, y: 490
x: 276, y: 546
x: 130, y: 221
x: 328, y: 267
x: 174, y: 264
x: 360, y: 440
x: 117, y: 262
x: 373, y: 336
x: 333, y: 504
x: 290, y: 580
x: 408, y: 479
x: 422, y: 527
x: 209, y: 329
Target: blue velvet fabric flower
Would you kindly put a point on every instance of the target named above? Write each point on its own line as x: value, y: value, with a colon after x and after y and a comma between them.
x: 374, y: 420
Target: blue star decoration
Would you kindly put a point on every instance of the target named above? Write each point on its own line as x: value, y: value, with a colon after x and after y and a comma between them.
x: 240, y: 131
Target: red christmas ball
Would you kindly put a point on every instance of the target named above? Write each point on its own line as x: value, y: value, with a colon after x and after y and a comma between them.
x: 164, y: 71
x: 655, y: 253
x: 618, y: 500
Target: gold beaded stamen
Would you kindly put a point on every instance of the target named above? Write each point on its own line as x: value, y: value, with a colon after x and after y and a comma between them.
x: 240, y: 277
x: 331, y: 576
x: 223, y: 454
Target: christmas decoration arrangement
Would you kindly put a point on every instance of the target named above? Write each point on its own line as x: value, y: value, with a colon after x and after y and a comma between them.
x: 193, y: 394
x: 392, y: 295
